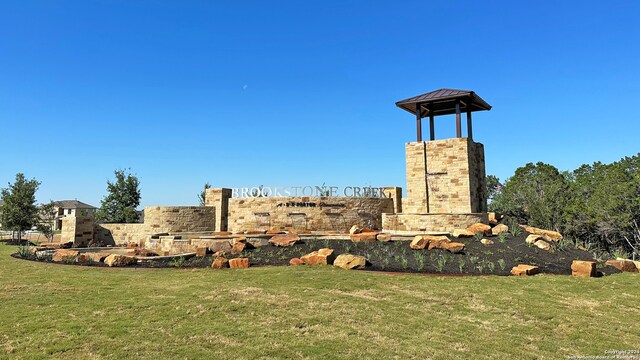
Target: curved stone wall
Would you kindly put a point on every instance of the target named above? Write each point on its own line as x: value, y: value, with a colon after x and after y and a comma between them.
x: 307, y: 213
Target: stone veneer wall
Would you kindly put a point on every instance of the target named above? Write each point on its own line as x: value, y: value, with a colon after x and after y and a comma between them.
x: 430, y: 222
x: 159, y: 219
x: 445, y: 176
x: 77, y: 229
x: 320, y: 213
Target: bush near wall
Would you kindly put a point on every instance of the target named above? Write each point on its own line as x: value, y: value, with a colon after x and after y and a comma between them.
x: 596, y: 205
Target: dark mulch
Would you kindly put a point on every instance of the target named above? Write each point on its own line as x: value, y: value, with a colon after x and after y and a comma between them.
x: 396, y: 256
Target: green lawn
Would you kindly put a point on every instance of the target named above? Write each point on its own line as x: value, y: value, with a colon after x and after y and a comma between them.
x: 73, y: 312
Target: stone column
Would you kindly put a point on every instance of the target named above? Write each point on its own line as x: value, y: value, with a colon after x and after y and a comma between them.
x: 219, y: 198
x: 417, y: 194
x: 394, y: 193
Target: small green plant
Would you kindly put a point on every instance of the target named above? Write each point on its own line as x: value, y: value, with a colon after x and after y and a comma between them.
x: 480, y: 266
x: 178, y: 262
x: 514, y: 228
x: 420, y: 259
x: 461, y: 264
x: 347, y: 247
x: 473, y: 260
x: 502, y: 237
x: 441, y: 263
x: 620, y: 253
x: 405, y: 263
x: 325, y: 243
x: 23, y: 251
x: 502, y: 264
x: 478, y: 236
x: 491, y: 266
x: 69, y: 259
x: 384, y: 263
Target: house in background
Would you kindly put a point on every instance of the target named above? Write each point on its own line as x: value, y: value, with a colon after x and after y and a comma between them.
x: 71, y: 208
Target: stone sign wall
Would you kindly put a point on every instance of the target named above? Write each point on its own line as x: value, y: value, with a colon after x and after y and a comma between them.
x: 77, y: 229
x: 307, y: 213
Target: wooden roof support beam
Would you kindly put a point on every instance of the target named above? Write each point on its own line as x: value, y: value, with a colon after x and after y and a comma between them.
x: 469, y: 125
x: 419, y: 123
x: 458, y: 120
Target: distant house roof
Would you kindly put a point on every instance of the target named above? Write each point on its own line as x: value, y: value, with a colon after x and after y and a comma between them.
x: 73, y: 204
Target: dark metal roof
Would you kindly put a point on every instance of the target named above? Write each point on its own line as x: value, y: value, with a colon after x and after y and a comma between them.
x: 443, y: 102
x: 73, y: 204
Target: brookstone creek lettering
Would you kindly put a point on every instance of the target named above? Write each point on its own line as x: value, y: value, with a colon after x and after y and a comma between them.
x: 326, y: 191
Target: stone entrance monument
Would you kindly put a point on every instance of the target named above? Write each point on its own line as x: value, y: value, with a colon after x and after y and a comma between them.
x: 446, y: 186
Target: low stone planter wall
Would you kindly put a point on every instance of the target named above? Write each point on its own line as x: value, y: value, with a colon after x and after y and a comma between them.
x: 431, y: 222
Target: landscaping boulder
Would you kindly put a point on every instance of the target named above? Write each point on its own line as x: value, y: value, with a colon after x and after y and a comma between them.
x: 478, y: 228
x: 367, y: 230
x: 238, y: 247
x: 547, y: 235
x: 454, y: 247
x: 239, y: 263
x: 583, y: 268
x: 284, y: 240
x: 486, y: 242
x: 492, y: 217
x: 525, y: 270
x: 120, y: 260
x: 349, y: 262
x: 363, y: 237
x: 220, y: 263
x: 623, y: 265
x: 383, y: 237
x: 420, y: 242
x: 354, y: 230
x: 64, y: 255
x: 96, y: 256
x: 320, y: 257
x: 462, y: 233
x: 531, y: 239
x: 296, y: 262
x: 499, y: 229
x: 541, y: 244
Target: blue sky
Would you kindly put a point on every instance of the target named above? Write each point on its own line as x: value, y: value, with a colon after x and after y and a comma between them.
x: 302, y: 93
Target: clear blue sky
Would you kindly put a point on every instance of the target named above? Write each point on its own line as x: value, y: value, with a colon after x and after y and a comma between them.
x: 299, y: 92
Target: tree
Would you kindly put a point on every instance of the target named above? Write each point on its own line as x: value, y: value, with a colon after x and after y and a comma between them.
x: 119, y: 206
x: 47, y: 217
x: 535, y: 194
x: 493, y: 186
x: 203, y: 194
x: 19, y: 211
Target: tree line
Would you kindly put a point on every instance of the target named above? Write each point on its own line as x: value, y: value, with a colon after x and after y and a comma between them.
x: 596, y: 205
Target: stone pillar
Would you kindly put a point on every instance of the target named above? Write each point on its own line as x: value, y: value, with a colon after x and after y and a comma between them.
x: 219, y: 198
x: 77, y: 229
x: 416, y: 202
x: 445, y: 177
x: 394, y: 193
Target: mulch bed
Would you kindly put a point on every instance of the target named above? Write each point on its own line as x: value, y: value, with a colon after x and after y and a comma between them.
x: 396, y: 256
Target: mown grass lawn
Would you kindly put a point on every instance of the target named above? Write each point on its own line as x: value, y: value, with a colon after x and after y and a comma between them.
x: 75, y: 312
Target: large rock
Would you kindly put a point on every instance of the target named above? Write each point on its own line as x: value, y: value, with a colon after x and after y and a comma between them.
x: 64, y: 255
x: 349, y: 262
x: 238, y: 247
x: 120, y: 260
x: 384, y: 237
x: 623, y: 265
x: 420, y: 242
x: 320, y: 257
x: 284, y: 240
x: 95, y: 257
x: 583, y: 268
x: 531, y: 239
x: 486, y: 242
x: 462, y: 233
x: 525, y: 270
x: 541, y: 244
x: 547, y: 235
x: 499, y: 229
x: 354, y: 230
x: 478, y: 228
x: 201, y: 251
x: 364, y: 237
x: 296, y: 262
x: 492, y: 217
x: 239, y: 263
x: 220, y: 263
x: 454, y: 247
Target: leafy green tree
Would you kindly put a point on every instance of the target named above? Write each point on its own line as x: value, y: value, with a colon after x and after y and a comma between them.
x: 535, y: 194
x: 203, y: 194
x: 493, y: 186
x: 19, y: 211
x: 119, y: 206
x: 47, y: 218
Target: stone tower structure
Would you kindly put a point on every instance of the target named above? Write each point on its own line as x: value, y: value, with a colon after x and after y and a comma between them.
x: 446, y: 185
